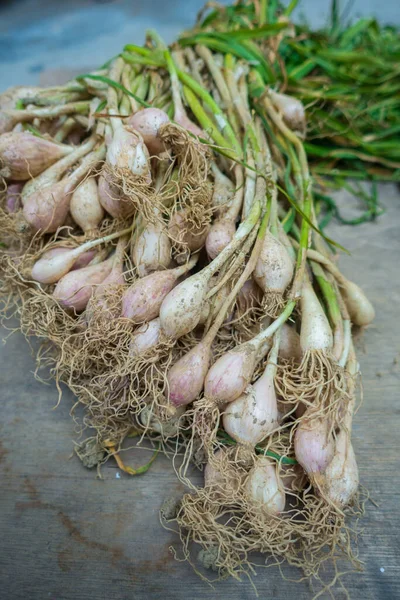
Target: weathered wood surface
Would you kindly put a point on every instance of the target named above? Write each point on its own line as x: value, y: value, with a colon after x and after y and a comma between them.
x: 67, y: 535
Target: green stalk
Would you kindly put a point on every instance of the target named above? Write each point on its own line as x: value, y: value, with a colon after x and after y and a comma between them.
x: 216, y: 110
x: 204, y: 120
x: 262, y: 17
x: 303, y: 247
x: 328, y: 293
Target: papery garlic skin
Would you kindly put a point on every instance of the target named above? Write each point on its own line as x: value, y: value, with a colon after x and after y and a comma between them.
x: 341, y: 475
x: 152, y: 250
x: 361, y: 311
x: 186, y: 376
x: 231, y: 374
x: 274, y: 267
x: 264, y: 487
x: 181, y: 310
x: 315, y: 332
x: 127, y: 151
x: 145, y: 338
x: 74, y: 290
x: 113, y: 200
x: 313, y: 445
x: 148, y: 123
x: 23, y: 155
x: 85, y: 207
x: 254, y: 415
x: 291, y: 109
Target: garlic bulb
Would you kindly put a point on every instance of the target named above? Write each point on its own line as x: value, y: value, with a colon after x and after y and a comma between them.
x: 254, y: 415
x: 313, y: 445
x: 315, y: 332
x: 152, y: 250
x: 186, y: 376
x: 23, y: 155
x: 360, y: 309
x: 341, y: 475
x: 148, y: 122
x: 181, y: 310
x: 274, y: 268
x: 265, y: 488
x: 145, y: 338
x: 291, y: 109
x: 85, y: 207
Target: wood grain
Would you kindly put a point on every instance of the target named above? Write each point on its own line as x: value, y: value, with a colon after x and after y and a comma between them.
x: 67, y: 535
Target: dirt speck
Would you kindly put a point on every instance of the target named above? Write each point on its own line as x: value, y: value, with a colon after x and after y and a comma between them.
x: 31, y: 489
x: 65, y: 560
x: 3, y: 452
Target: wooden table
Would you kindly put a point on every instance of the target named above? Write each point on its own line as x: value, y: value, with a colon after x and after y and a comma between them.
x: 66, y: 535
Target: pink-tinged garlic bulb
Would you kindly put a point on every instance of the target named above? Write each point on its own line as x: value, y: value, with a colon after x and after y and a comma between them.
x: 55, y: 263
x: 74, y: 290
x: 113, y: 200
x: 315, y: 332
x: 232, y: 372
x: 148, y: 123
x: 290, y: 347
x: 341, y: 475
x: 360, y: 309
x: 46, y: 210
x: 143, y: 299
x: 274, y: 268
x: 314, y: 447
x: 264, y: 487
x: 291, y: 109
x: 13, y: 197
x: 85, y: 207
x: 254, y: 415
x: 186, y: 376
x: 23, y: 155
x: 181, y: 310
x: 127, y: 151
x: 152, y: 250
x: 54, y: 173
x: 230, y: 375
x: 145, y: 338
